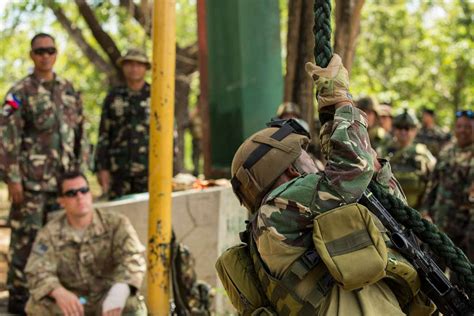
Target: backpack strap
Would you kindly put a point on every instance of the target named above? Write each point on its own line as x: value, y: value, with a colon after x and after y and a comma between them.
x: 281, y: 292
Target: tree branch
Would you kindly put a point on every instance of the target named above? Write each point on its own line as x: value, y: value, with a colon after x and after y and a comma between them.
x: 138, y: 15
x: 79, y: 39
x: 104, y: 39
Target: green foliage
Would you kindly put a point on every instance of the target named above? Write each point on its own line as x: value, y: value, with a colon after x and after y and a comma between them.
x: 416, y: 54
x: 20, y: 20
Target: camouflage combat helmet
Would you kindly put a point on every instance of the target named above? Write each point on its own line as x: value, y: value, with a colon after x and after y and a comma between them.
x: 262, y: 158
x: 288, y: 108
x: 368, y: 104
x: 404, y: 120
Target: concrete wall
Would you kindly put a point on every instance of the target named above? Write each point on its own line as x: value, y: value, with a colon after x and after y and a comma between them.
x: 207, y: 221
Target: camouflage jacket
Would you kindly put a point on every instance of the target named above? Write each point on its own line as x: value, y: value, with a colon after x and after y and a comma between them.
x: 434, y: 138
x: 42, y: 132
x: 124, y: 132
x: 284, y: 224
x: 451, y: 188
x: 412, y: 166
x: 109, y: 252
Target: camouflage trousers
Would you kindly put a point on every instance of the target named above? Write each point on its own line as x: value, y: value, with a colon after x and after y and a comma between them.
x: 126, y: 184
x: 25, y: 220
x: 135, y: 306
x: 459, y: 228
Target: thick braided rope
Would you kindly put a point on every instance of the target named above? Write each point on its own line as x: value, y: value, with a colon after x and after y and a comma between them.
x: 429, y: 233
x: 322, y: 32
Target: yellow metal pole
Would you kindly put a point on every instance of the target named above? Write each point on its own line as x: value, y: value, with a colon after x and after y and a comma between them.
x: 161, y: 156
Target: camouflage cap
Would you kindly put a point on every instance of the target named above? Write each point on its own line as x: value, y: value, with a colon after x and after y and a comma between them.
x: 406, y: 119
x: 135, y: 55
x: 385, y: 110
x: 255, y: 182
x: 368, y: 104
x: 288, y: 108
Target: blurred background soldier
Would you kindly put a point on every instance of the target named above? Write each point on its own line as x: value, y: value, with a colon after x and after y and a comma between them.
x: 385, y: 118
x: 290, y: 110
x: 450, y: 198
x: 411, y: 163
x: 431, y: 134
x: 85, y: 261
x: 378, y: 136
x: 121, y: 158
x: 42, y: 136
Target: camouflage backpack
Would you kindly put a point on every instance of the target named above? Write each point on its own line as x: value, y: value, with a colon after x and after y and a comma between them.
x: 191, y: 296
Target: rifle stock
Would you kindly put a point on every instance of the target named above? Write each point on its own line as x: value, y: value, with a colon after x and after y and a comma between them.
x: 434, y: 284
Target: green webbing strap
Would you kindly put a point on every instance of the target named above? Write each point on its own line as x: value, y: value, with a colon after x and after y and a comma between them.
x: 280, y: 291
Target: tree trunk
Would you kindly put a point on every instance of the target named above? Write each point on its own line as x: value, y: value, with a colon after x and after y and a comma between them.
x: 300, y: 44
x: 347, y: 29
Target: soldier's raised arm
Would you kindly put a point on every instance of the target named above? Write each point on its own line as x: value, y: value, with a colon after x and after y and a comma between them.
x: 344, y: 138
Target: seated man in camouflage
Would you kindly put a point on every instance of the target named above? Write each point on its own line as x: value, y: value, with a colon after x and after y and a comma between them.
x: 85, y: 261
x: 277, y: 182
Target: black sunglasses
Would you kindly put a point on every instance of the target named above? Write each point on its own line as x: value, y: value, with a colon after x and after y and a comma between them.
x: 466, y: 113
x: 74, y: 192
x: 45, y: 50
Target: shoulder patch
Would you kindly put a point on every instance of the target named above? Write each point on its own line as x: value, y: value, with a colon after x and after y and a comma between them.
x: 40, y: 249
x: 12, y: 103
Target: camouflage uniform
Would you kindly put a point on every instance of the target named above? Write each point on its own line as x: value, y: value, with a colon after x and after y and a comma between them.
x: 284, y: 224
x: 379, y: 138
x: 450, y: 198
x: 109, y: 252
x: 434, y: 138
x: 412, y: 166
x: 123, y: 140
x: 42, y: 135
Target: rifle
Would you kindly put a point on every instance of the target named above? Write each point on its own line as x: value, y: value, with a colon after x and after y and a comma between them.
x: 448, y: 299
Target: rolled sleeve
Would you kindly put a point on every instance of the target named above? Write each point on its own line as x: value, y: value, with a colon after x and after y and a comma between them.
x: 129, y: 255
x: 350, y: 164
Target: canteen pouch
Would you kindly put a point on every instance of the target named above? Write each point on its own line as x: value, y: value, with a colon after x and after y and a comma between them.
x: 237, y: 274
x: 351, y: 246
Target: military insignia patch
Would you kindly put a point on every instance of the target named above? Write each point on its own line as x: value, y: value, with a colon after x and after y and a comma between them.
x: 40, y: 249
x: 12, y: 103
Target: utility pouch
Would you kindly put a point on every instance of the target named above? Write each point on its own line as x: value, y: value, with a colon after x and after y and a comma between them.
x: 237, y: 273
x: 351, y: 246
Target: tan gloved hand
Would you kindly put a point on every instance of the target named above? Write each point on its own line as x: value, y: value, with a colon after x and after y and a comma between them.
x: 332, y: 83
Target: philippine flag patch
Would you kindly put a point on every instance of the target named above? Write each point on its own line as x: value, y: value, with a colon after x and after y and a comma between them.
x: 12, y: 103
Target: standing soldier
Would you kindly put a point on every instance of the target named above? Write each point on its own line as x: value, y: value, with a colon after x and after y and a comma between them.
x: 378, y: 136
x: 386, y: 118
x: 122, y: 151
x: 450, y: 199
x: 42, y: 135
x: 411, y: 163
x: 431, y: 134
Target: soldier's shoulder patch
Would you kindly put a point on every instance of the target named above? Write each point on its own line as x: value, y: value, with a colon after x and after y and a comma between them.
x: 12, y: 103
x: 40, y: 249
